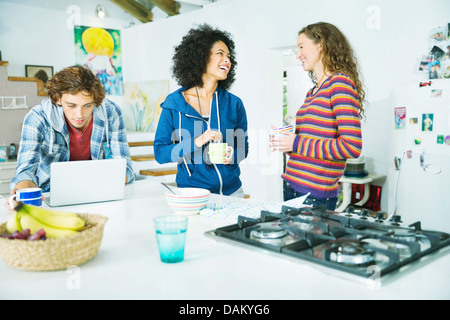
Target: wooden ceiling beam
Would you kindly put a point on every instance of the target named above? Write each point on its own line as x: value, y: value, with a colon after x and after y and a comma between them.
x: 170, y: 7
x: 135, y: 9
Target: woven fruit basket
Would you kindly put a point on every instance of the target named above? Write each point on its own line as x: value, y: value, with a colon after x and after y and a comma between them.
x: 55, y: 254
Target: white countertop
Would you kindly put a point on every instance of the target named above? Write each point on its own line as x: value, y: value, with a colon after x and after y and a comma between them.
x: 127, y: 265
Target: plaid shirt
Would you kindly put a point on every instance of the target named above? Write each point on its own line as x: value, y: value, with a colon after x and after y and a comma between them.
x: 45, y: 140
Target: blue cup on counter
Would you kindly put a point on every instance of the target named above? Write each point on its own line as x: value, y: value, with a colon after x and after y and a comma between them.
x: 171, y: 237
x: 31, y: 196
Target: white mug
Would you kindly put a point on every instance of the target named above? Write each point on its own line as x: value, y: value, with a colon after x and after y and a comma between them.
x: 218, y: 152
x: 31, y: 196
x: 277, y: 132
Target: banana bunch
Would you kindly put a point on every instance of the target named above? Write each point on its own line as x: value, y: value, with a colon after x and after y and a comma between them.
x: 55, y: 223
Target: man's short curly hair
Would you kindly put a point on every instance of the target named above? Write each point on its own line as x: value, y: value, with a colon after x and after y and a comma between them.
x: 193, y: 53
x: 73, y: 80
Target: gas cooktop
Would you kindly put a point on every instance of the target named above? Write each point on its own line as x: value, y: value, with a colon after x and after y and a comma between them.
x: 352, y: 242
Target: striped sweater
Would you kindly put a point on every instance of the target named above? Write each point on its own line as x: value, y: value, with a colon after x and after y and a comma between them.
x: 328, y: 132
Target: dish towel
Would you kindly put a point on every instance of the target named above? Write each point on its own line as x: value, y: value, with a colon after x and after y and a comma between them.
x: 229, y: 208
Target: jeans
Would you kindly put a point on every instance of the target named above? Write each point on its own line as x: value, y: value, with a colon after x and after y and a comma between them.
x: 290, y: 193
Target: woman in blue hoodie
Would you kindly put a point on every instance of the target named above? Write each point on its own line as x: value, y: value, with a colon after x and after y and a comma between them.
x: 201, y: 111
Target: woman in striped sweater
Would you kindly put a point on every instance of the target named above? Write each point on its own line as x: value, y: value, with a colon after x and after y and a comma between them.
x: 328, y: 124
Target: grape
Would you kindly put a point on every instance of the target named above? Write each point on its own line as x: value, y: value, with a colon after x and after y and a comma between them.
x: 41, y: 232
x: 38, y: 235
x: 34, y: 237
x: 25, y: 233
x: 16, y: 234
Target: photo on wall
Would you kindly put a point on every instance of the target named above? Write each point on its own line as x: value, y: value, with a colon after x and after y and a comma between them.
x: 42, y: 75
x: 424, y: 62
x: 437, y: 61
x: 427, y: 122
x: 100, y: 50
x: 400, y: 115
x: 142, y: 101
x: 438, y: 34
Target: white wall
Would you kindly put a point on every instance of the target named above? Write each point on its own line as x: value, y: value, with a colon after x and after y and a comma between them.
x: 262, y: 29
x: 43, y: 34
x: 388, y: 38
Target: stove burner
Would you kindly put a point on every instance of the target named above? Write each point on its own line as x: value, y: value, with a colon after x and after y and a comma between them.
x: 306, y: 215
x: 351, y: 252
x: 268, y: 232
x: 406, y: 235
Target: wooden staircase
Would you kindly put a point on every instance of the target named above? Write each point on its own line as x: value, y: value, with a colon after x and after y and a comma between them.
x: 144, y: 157
x: 154, y: 172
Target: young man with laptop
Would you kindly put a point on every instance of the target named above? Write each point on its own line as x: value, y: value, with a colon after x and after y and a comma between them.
x: 75, y: 123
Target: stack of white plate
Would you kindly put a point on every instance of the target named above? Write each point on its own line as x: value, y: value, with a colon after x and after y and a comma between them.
x: 355, y: 168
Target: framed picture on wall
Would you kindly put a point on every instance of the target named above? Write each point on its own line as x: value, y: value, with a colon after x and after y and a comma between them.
x: 41, y: 72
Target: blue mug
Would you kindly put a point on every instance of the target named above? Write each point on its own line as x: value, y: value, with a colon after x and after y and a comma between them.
x: 31, y: 196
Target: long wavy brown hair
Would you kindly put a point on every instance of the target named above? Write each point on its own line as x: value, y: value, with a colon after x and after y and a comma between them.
x: 337, y: 55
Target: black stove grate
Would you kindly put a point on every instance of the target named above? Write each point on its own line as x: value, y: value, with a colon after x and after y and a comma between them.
x: 314, y: 234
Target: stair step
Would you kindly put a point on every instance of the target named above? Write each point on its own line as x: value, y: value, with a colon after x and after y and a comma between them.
x: 143, y: 157
x: 158, y: 171
x: 140, y: 143
x: 22, y: 79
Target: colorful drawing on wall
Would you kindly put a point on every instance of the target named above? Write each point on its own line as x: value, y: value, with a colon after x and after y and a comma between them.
x: 142, y: 104
x: 100, y: 50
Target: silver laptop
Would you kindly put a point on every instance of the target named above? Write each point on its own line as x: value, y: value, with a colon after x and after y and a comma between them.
x: 78, y: 182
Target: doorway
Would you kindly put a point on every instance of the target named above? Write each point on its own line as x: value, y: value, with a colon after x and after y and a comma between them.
x: 296, y: 84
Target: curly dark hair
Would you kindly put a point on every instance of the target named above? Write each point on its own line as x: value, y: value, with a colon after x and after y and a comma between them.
x: 73, y: 80
x: 193, y: 53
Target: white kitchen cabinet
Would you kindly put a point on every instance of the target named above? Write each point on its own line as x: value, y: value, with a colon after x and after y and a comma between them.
x: 7, y: 171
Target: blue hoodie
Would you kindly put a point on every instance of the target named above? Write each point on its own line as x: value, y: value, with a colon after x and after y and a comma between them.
x: 178, y: 126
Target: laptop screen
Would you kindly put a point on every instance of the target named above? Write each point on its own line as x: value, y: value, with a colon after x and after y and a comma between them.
x: 78, y: 182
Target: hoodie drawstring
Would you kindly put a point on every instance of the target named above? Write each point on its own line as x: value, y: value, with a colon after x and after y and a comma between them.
x: 106, y: 148
x: 50, y: 148
x: 217, y: 108
x: 209, y: 127
x: 179, y: 133
x: 218, y: 124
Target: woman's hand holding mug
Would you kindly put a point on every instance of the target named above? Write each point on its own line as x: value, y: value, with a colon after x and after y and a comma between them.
x: 208, y: 136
